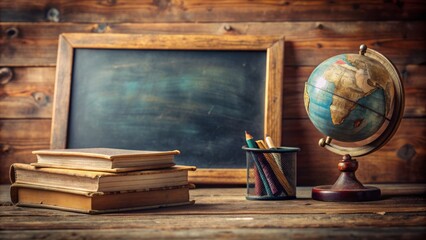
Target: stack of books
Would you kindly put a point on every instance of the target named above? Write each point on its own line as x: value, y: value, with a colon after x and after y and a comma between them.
x: 97, y: 180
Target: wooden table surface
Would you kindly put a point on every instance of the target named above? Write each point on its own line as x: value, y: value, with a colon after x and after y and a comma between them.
x: 223, y: 213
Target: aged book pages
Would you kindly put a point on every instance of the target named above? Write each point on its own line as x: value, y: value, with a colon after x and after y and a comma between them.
x: 99, y: 181
x: 105, y: 159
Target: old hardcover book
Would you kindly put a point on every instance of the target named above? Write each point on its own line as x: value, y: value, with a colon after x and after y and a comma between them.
x: 105, y: 159
x: 97, y: 202
x: 99, y: 181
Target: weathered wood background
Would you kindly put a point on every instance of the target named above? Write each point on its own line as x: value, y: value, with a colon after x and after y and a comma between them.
x: 314, y: 31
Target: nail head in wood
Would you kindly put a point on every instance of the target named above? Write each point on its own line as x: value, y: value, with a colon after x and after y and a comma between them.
x: 53, y: 15
x: 320, y: 26
x: 227, y: 27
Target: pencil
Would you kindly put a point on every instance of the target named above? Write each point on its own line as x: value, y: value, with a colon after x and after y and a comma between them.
x: 258, y: 172
x: 277, y: 156
x: 264, y: 167
x: 277, y: 170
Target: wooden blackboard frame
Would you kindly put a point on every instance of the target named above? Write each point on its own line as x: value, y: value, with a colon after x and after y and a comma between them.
x: 273, y: 45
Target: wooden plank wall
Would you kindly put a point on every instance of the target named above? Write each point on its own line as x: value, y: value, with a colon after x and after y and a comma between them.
x: 314, y: 31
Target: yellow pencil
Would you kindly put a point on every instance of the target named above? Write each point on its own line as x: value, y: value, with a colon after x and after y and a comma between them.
x: 276, y: 156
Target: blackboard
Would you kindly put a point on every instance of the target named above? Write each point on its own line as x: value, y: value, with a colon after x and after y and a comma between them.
x: 199, y: 100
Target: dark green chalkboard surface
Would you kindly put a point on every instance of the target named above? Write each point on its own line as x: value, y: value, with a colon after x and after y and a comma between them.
x: 199, y: 102
x: 194, y: 93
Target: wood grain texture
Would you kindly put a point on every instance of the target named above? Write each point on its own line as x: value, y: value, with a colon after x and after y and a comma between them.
x: 307, y: 43
x: 222, y: 233
x: 18, y: 138
x: 29, y: 94
x: 274, y: 86
x: 208, y: 11
x: 168, y: 41
x: 219, y: 177
x: 62, y: 94
x: 267, y: 233
x: 227, y: 222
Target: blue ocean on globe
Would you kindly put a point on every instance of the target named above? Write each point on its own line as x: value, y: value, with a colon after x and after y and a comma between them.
x: 341, y: 88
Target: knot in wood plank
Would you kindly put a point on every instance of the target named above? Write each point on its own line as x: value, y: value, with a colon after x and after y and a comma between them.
x: 6, y: 75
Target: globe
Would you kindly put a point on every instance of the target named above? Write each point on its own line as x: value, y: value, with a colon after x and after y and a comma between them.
x: 349, y: 97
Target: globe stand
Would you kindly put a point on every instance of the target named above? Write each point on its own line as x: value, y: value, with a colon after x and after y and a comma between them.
x: 347, y: 188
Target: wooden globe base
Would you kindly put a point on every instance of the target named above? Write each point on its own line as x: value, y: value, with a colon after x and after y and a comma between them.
x: 347, y: 188
x: 326, y: 193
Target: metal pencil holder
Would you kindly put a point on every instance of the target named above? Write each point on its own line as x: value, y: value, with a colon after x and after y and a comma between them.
x: 271, y: 173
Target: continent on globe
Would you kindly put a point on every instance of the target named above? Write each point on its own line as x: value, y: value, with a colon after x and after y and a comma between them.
x: 348, y: 96
x: 351, y: 83
x: 378, y: 76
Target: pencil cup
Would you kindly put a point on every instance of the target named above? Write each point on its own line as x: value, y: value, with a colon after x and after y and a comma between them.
x: 271, y: 173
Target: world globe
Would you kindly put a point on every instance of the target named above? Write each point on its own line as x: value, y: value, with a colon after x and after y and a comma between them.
x: 355, y: 98
x: 348, y: 96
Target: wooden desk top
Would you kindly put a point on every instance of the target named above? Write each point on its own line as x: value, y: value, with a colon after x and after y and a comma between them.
x: 224, y: 213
